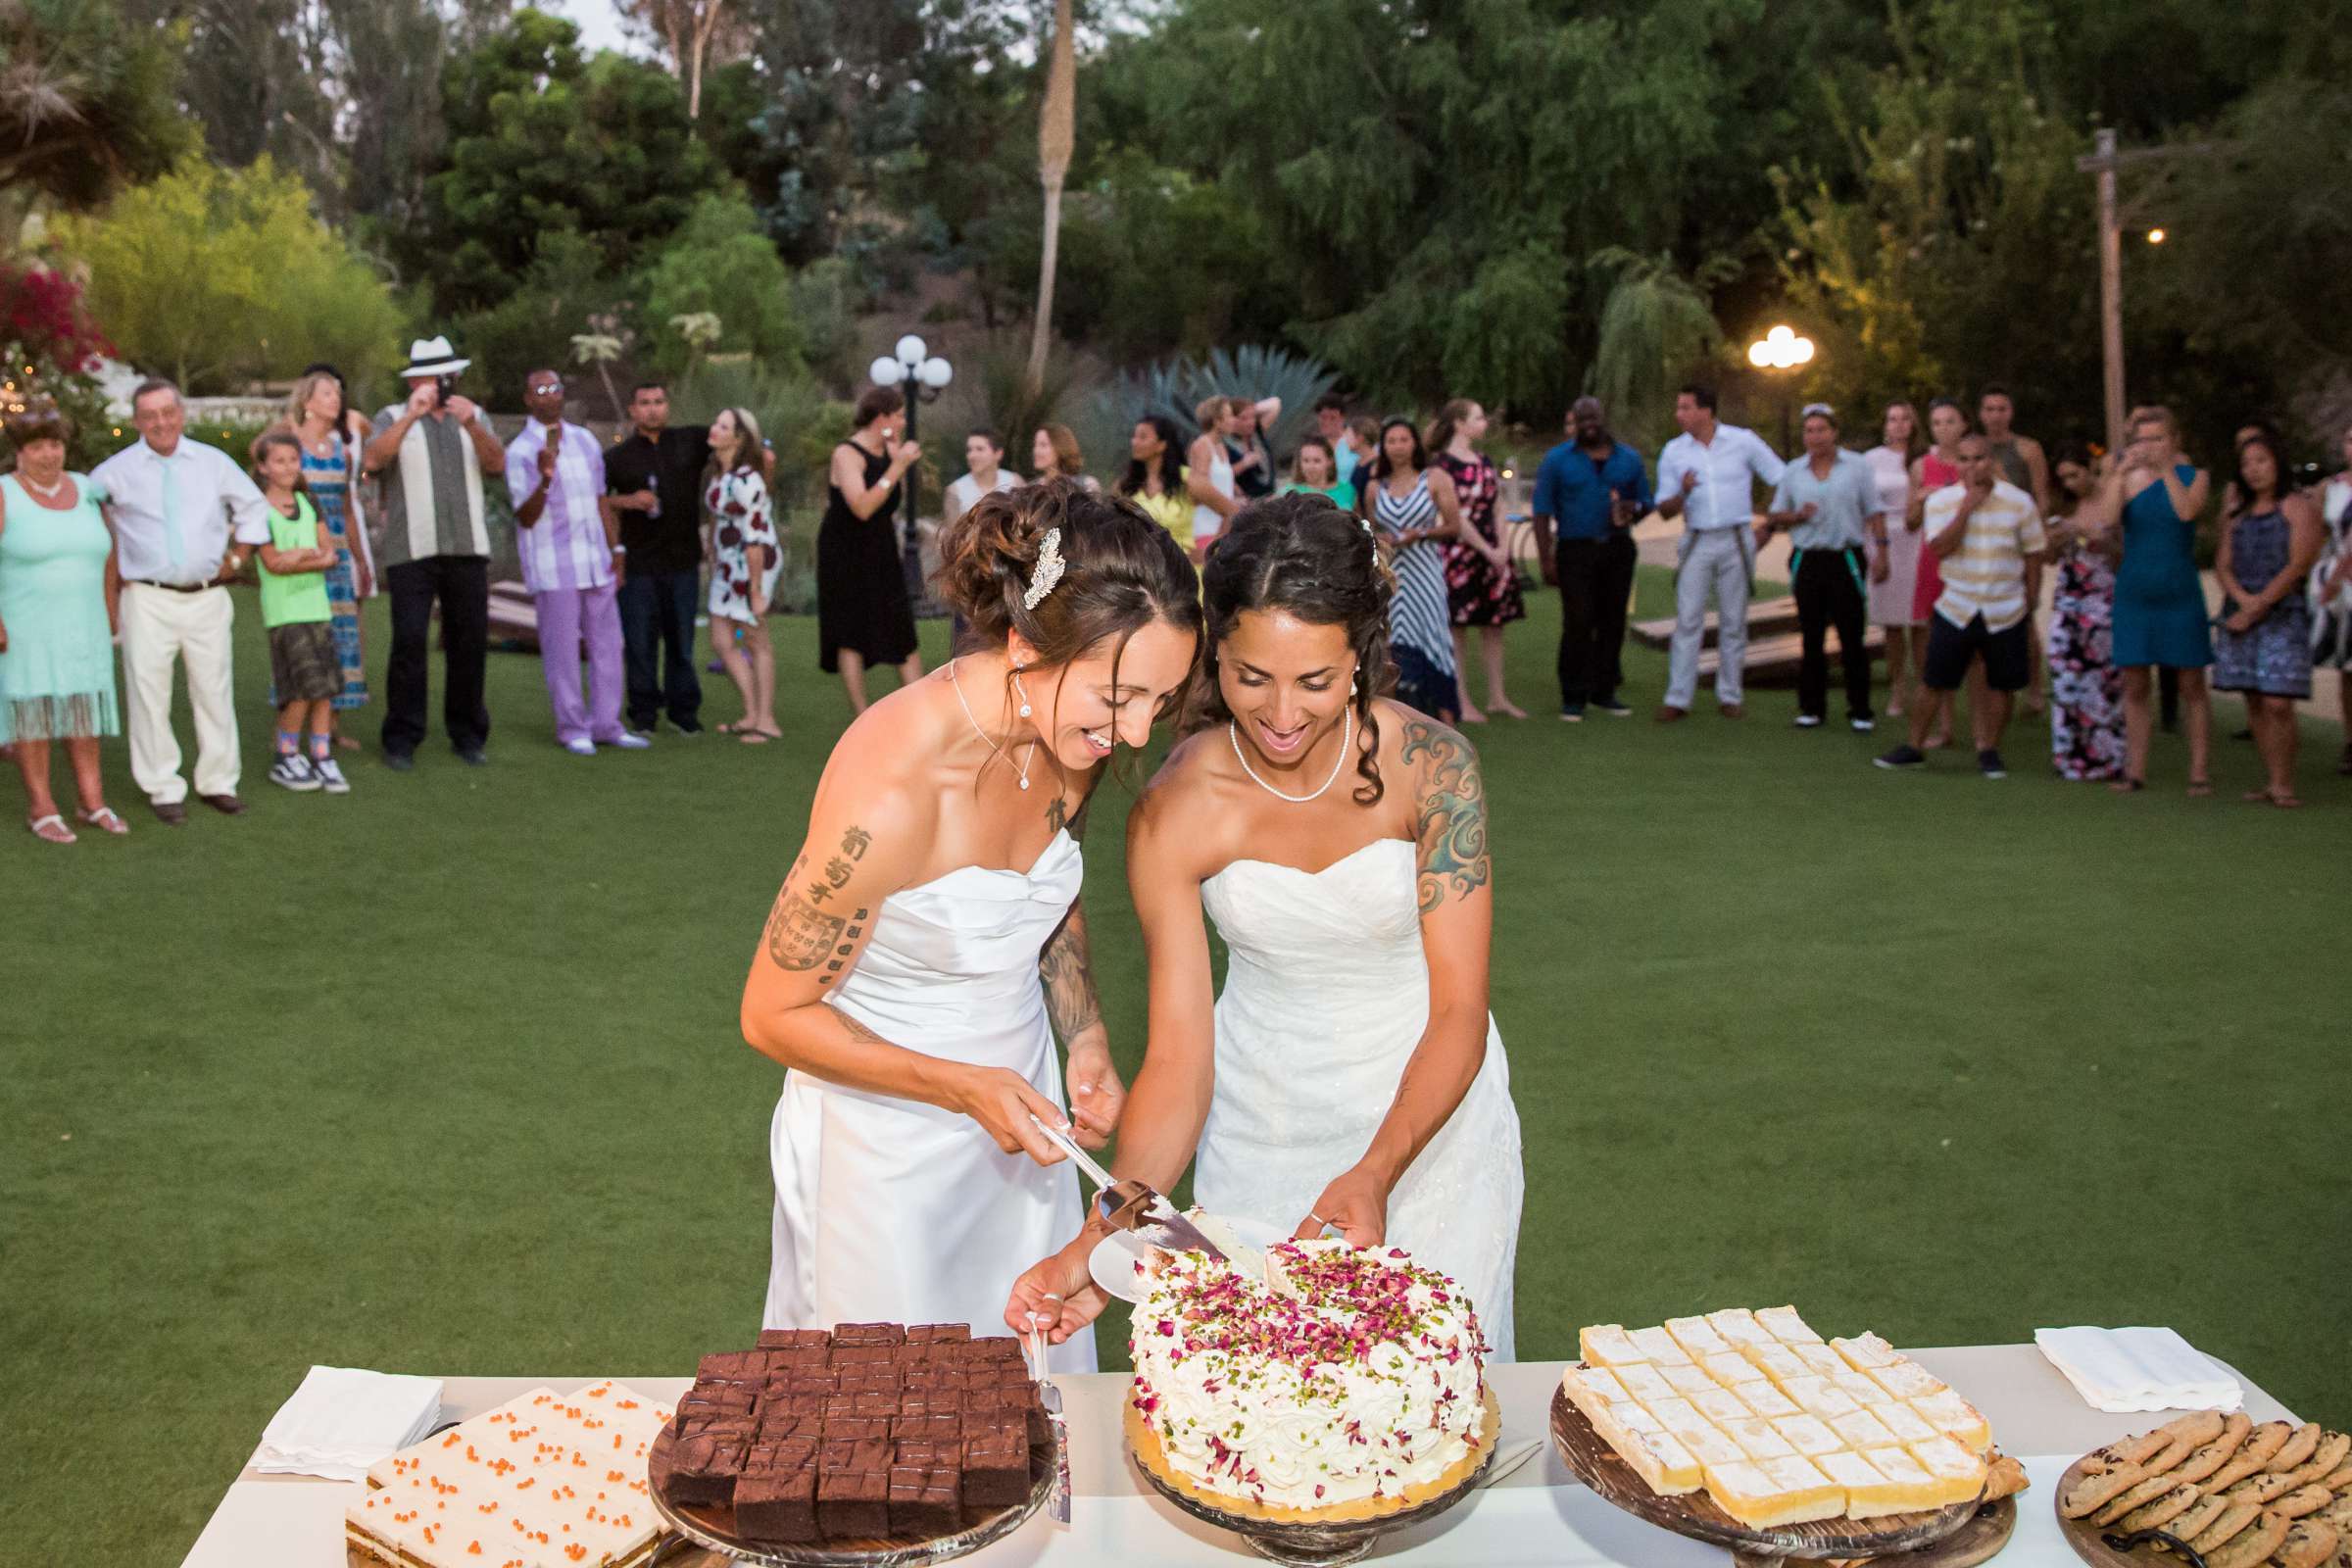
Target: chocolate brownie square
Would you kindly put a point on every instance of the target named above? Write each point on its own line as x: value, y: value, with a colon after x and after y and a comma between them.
x: 849, y: 1356
x: 995, y: 1348
x: 858, y: 1429
x: 779, y: 1453
x: 706, y: 1401
x: 937, y: 1333
x: 733, y: 1366
x: 945, y: 1429
x: 868, y: 1334
x: 806, y: 1380
x: 703, y: 1471
x: 996, y: 1466
x: 924, y: 1500
x: 852, y: 1489
x: 870, y: 1377
x: 838, y: 1407
x: 778, y: 1506
x: 790, y: 1421
x: 793, y: 1339
x: 933, y: 1455
x: 930, y: 1402
x: 809, y: 1360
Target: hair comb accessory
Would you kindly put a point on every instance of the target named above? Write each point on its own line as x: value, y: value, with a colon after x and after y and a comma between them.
x: 1049, y: 570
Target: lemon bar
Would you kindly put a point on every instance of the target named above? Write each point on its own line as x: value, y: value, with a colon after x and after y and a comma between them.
x: 1780, y: 1492
x: 1695, y: 1335
x: 1607, y: 1344
x: 1710, y: 1447
x: 1863, y: 1388
x: 1862, y: 1430
x: 1757, y: 1440
x: 1866, y: 1351
x: 1955, y: 1417
x: 1644, y: 1382
x: 1909, y: 1486
x: 1776, y: 1362
x: 1820, y: 1397
x: 1678, y: 1416
x: 1867, y: 1493
x: 1906, y: 1380
x: 1808, y: 1434
x: 1783, y: 1325
x: 1820, y: 1358
x: 1686, y: 1379
x: 1591, y: 1388
x: 1739, y: 1326
x: 1765, y: 1399
x: 1723, y: 1404
x: 1657, y: 1347
x: 1907, y: 1424
x: 1730, y: 1368
x: 1959, y: 1474
x: 1663, y: 1462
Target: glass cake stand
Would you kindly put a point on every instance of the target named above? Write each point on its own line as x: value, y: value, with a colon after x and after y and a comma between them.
x: 1298, y: 1544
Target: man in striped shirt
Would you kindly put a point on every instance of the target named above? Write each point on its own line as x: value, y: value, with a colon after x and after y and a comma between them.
x: 1987, y: 536
x: 572, y: 560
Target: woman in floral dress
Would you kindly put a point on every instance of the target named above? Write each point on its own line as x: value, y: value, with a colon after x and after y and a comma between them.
x: 332, y: 434
x: 745, y: 558
x: 2087, y: 689
x: 1482, y: 586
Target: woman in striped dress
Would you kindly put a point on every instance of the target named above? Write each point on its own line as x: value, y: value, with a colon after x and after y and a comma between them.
x: 1414, y: 510
x: 331, y: 434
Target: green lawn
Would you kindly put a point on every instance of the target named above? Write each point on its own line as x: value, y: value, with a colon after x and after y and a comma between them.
x: 444, y: 1076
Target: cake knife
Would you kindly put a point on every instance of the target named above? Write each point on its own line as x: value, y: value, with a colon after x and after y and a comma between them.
x: 1058, y: 1501
x: 1131, y: 1205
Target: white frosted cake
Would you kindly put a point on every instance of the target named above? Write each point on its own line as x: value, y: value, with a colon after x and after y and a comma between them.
x: 1326, y: 1382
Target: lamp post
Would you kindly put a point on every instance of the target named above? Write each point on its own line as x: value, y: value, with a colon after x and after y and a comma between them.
x: 1782, y: 349
x: 924, y: 375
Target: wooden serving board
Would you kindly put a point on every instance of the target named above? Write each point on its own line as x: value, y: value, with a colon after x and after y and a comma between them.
x: 713, y: 1530
x: 1695, y: 1514
x: 2089, y: 1541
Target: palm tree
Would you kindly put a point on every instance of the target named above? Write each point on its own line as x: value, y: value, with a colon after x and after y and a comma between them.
x: 1057, y: 135
x: 88, y: 103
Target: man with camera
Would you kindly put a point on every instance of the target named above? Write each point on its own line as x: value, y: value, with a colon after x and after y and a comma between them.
x: 433, y: 451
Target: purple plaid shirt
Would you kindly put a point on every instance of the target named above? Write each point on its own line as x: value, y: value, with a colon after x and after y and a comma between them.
x: 566, y: 548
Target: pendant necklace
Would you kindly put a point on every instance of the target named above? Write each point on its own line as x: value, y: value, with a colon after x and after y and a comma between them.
x: 1233, y: 732
x: 1029, y: 751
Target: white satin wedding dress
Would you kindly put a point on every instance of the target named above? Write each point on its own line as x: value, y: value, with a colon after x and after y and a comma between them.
x: 1326, y: 995
x: 890, y: 1210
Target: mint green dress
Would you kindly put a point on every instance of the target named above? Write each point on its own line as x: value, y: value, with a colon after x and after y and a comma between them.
x: 57, y: 678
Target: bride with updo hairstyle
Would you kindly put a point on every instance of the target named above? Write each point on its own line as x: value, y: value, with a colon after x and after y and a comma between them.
x: 1349, y: 1079
x: 928, y: 943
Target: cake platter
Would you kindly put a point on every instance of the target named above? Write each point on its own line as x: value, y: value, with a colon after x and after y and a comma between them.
x: 713, y: 1529
x: 1280, y: 1535
x: 1957, y: 1537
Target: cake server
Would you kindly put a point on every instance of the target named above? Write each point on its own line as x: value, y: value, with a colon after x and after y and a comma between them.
x: 1058, y: 1501
x: 1132, y: 1207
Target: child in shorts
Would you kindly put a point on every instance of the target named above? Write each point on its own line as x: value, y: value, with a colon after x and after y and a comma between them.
x: 303, y: 665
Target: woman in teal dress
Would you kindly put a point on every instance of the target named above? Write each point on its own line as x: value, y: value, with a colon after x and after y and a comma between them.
x: 57, y: 632
x: 2159, y: 615
x: 331, y: 435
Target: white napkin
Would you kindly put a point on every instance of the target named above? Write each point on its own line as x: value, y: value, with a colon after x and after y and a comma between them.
x: 2124, y: 1370
x: 342, y: 1420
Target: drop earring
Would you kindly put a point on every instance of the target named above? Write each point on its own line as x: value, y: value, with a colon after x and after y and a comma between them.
x: 1021, y: 693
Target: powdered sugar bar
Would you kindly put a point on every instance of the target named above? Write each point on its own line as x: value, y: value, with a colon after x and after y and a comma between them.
x: 1779, y: 1426
x: 547, y: 1480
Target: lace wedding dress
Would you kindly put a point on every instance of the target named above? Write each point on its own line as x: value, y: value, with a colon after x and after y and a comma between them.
x: 1326, y: 995
x: 891, y: 1210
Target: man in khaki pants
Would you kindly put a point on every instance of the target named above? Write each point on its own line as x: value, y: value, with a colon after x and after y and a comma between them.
x: 185, y: 516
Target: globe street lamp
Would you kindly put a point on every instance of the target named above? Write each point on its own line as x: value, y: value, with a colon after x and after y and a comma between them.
x: 1782, y: 349
x: 924, y: 375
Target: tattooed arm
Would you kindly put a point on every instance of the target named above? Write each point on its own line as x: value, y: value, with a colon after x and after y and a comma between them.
x: 863, y: 843
x: 1067, y: 967
x: 1448, y: 803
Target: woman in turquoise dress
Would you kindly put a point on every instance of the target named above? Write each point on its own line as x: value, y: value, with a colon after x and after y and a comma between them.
x: 2160, y: 615
x: 330, y: 439
x: 57, y: 632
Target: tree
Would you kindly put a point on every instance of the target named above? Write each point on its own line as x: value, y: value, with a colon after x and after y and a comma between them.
x: 87, y: 101
x: 721, y: 264
x: 219, y: 276
x: 1057, y: 135
x: 695, y: 34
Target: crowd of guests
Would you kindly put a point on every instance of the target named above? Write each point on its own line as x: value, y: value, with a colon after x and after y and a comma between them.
x: 1938, y: 537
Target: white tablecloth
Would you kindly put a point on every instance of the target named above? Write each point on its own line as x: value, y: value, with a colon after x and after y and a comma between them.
x: 1538, y: 1515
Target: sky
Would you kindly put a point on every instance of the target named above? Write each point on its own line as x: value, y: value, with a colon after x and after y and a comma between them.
x: 600, y: 24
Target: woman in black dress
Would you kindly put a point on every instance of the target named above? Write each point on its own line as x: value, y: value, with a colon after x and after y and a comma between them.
x: 862, y: 616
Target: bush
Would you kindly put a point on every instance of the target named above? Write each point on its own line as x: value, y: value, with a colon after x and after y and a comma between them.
x: 532, y: 329
x: 50, y: 347
x: 721, y: 262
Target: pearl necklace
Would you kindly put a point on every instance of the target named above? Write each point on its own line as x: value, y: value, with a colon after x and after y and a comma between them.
x: 1233, y: 733
x: 47, y: 492
x: 1028, y: 752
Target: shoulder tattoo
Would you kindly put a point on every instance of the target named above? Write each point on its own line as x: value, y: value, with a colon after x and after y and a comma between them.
x: 1451, y: 826
x: 802, y: 933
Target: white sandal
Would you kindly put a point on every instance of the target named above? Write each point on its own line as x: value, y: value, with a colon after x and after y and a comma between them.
x: 104, y: 819
x: 41, y: 828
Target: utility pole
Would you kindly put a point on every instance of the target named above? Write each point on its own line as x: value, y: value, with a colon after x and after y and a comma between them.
x: 2104, y: 164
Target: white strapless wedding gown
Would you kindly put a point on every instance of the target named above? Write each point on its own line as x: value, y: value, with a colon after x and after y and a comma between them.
x: 891, y: 1210
x: 1326, y: 995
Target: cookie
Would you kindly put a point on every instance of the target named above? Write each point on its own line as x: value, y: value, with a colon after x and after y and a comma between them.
x: 2266, y: 1439
x: 2326, y: 1462
x: 2308, y: 1544
x: 2251, y: 1545
x: 2200, y: 1427
x: 2152, y: 1516
x: 2302, y: 1501
x: 2189, y: 1526
x: 2233, y: 1519
x: 2092, y: 1492
x: 2216, y: 1453
x: 2340, y: 1481
x: 2140, y: 1496
x: 2260, y: 1488
x: 2129, y: 1452
x: 2298, y: 1449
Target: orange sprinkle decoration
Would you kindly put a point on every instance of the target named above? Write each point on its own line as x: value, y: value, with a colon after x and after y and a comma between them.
x: 475, y: 1551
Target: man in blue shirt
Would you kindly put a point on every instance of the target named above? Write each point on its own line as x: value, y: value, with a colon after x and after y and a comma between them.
x: 1829, y: 502
x: 1590, y: 492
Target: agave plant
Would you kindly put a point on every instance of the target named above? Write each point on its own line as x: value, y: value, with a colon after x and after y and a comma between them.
x: 1179, y: 385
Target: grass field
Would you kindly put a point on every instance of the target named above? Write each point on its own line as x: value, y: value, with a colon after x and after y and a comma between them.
x: 444, y: 1076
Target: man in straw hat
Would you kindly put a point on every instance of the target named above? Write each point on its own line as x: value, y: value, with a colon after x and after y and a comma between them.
x: 433, y: 451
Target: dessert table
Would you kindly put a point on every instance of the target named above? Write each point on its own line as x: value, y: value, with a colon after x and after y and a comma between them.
x: 1538, y: 1516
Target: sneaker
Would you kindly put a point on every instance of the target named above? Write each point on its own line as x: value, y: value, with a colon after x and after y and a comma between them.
x: 1862, y: 724
x: 629, y: 741
x: 580, y: 746
x: 330, y: 776
x: 1808, y: 721
x: 1613, y: 707
x: 293, y: 772
x: 1989, y: 763
x: 1571, y: 716
x: 1902, y: 757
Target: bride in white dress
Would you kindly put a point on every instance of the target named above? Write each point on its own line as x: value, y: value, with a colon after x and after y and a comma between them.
x: 899, y: 977
x: 1351, y: 1074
